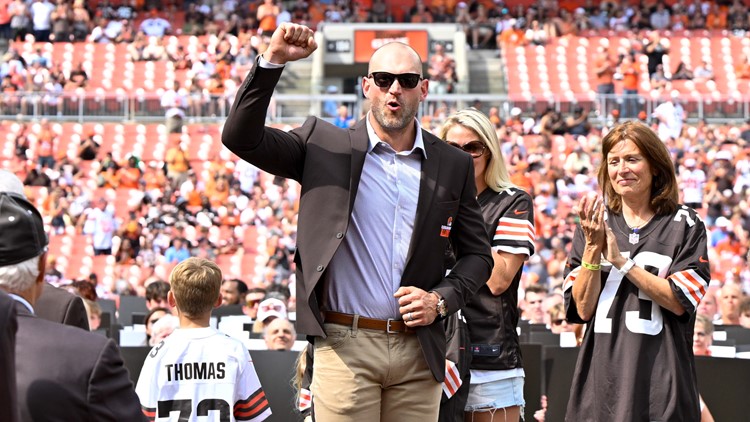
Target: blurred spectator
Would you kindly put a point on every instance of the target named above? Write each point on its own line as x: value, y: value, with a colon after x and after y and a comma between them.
x: 233, y: 292
x: 130, y: 176
x: 154, y: 50
x: 120, y: 31
x: 21, y: 142
x: 420, y: 13
x: 330, y: 106
x: 494, y: 116
x: 41, y: 13
x: 279, y: 334
x: 5, y: 20
x: 536, y: 34
x: 671, y: 116
x: 660, y: 19
x: 730, y: 297
x: 745, y: 312
x: 96, y: 35
x: 81, y: 21
x: 343, y: 119
x: 266, y: 17
x: 89, y: 147
x: 177, y: 162
x: 630, y: 71
x: 442, y: 71
x: 578, y: 123
x: 152, y: 317
x: 94, y: 312
x: 46, y: 145
x: 604, y: 69
x: 379, y: 12
x: 162, y: 328
x: 708, y: 306
x: 692, y: 182
x: 697, y: 16
x: 577, y: 161
x: 655, y: 48
x: 742, y: 69
x: 268, y: 310
x: 154, y: 25
x: 532, y: 304
x: 716, y: 18
x: 174, y: 101
x: 101, y: 225
x: 703, y: 332
x: 253, y: 298
x: 682, y: 72
x: 659, y: 80
x: 85, y: 288
x: 181, y: 60
x: 619, y: 21
x: 559, y: 323
x: 737, y: 16
x: 244, y: 60
x: 35, y: 177
x: 178, y: 252
x: 78, y: 77
x: 156, y: 295
x: 61, y: 17
x: 551, y: 301
x: 137, y: 46
x: 52, y: 275
x: 704, y: 72
x: 20, y: 19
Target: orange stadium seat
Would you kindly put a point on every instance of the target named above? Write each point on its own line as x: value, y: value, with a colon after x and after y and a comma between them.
x: 149, y: 142
x: 562, y: 67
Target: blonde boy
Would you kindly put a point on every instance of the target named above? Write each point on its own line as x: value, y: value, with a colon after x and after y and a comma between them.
x: 197, y: 371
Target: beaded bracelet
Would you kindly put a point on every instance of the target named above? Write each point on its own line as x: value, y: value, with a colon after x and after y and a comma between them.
x: 592, y: 267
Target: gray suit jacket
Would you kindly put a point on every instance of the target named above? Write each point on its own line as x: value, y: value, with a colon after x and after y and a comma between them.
x: 67, y: 374
x: 59, y: 305
x: 328, y: 162
x: 8, y: 327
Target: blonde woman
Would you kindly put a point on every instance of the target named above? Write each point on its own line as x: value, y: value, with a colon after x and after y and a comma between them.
x: 497, y: 375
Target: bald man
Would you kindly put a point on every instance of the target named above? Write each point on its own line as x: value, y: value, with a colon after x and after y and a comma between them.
x: 381, y: 202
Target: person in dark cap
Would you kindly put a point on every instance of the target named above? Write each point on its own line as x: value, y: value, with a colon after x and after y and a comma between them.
x: 54, y: 304
x: 61, y: 371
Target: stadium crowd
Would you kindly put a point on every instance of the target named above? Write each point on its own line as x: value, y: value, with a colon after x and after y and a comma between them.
x: 179, y: 206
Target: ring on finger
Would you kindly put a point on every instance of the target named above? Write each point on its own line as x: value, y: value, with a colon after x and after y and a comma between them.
x: 409, y: 317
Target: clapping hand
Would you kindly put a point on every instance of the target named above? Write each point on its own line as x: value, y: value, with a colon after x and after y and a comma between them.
x: 591, y: 214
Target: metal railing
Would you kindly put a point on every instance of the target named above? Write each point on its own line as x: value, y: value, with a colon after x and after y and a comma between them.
x: 294, y: 108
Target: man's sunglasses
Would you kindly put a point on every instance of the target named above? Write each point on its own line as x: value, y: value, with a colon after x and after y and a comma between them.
x: 475, y: 148
x: 385, y: 79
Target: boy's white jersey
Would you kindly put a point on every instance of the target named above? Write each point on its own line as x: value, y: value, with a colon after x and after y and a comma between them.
x: 201, y: 373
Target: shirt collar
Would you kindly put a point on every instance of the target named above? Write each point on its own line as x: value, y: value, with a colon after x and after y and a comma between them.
x: 374, y: 139
x: 23, y: 301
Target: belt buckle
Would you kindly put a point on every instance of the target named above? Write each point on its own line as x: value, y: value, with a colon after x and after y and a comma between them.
x: 388, y: 326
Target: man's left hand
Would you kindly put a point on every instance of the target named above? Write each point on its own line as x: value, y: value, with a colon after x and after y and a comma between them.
x: 417, y: 307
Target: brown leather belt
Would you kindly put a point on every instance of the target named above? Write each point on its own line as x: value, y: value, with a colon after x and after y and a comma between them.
x: 389, y: 325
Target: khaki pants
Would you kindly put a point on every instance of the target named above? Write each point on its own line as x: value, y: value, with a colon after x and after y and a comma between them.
x: 369, y: 375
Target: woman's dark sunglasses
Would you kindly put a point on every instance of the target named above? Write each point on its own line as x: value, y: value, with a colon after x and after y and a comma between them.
x: 474, y: 148
x: 385, y: 79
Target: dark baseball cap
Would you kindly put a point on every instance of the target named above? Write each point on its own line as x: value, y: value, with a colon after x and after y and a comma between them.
x: 22, y: 235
